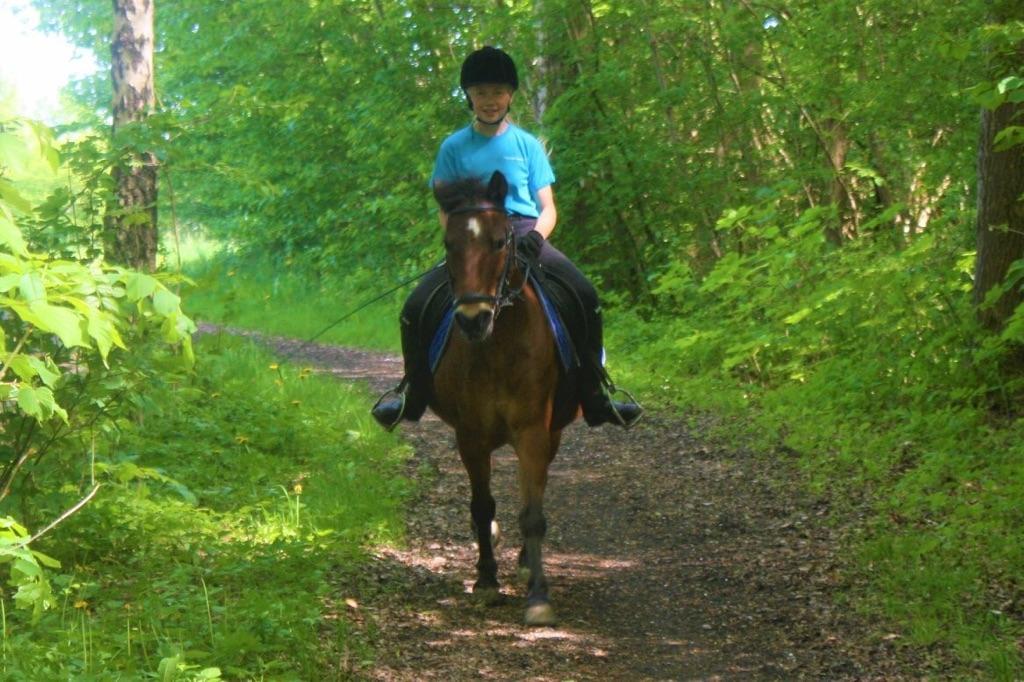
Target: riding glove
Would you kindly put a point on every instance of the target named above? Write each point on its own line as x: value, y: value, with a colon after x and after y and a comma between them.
x: 529, y: 246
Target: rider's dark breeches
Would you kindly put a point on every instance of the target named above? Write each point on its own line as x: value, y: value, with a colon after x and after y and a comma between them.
x: 558, y: 270
x: 414, y: 340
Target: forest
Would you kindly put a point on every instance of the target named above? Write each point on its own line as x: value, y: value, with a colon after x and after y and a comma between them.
x: 805, y: 221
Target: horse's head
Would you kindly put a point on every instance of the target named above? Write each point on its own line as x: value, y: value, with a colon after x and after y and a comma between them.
x: 478, y: 244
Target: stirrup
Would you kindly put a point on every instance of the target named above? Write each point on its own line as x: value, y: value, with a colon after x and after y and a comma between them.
x: 610, y: 390
x: 399, y: 393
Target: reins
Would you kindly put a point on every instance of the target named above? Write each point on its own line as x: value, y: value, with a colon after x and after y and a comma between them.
x: 358, y: 308
x: 504, y: 297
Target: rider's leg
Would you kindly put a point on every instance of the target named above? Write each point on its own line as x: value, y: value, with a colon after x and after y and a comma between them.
x: 409, y: 399
x: 598, y: 405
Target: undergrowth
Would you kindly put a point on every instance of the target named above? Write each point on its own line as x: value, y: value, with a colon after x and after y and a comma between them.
x: 225, y: 516
x: 867, y: 363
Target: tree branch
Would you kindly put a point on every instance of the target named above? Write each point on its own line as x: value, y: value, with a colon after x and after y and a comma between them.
x: 81, y: 503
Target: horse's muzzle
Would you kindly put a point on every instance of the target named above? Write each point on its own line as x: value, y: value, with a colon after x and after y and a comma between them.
x: 475, y: 321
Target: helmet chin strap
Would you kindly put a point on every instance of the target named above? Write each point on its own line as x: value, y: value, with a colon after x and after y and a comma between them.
x: 492, y: 123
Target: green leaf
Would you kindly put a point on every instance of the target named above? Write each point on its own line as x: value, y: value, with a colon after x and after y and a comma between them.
x: 47, y: 561
x: 101, y: 328
x: 28, y: 401
x: 32, y: 288
x: 986, y: 96
x: 8, y: 282
x: 13, y: 197
x: 10, y: 236
x: 165, y: 303
x: 39, y: 403
x: 46, y: 370
x: 22, y: 367
x: 44, y: 139
x: 167, y: 670
x: 27, y: 568
x: 797, y: 316
x: 139, y: 286
x: 1008, y: 137
x: 1010, y: 83
x: 63, y: 322
x: 49, y: 403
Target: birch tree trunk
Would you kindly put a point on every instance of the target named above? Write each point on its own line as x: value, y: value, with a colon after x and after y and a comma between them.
x: 131, y: 223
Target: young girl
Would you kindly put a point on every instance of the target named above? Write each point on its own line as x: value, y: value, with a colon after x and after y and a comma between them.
x: 491, y: 143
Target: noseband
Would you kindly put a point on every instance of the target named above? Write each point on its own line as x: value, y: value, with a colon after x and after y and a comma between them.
x: 504, y: 296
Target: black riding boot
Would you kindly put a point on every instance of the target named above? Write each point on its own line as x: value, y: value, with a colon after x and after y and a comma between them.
x: 408, y: 400
x: 581, y: 311
x: 596, y: 388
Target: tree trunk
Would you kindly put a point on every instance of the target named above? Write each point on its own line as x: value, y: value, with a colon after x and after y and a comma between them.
x: 1000, y: 226
x: 131, y: 223
x: 837, y: 144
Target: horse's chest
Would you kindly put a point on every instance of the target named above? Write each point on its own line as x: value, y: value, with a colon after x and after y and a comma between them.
x: 480, y: 377
x: 476, y: 386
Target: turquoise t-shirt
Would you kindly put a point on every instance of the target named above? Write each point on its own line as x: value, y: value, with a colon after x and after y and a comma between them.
x: 516, y: 153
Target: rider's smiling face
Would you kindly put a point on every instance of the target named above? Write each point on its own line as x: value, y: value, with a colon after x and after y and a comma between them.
x: 490, y: 101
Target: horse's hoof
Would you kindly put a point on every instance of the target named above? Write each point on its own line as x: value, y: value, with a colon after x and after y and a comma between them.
x: 540, y: 615
x: 488, y: 596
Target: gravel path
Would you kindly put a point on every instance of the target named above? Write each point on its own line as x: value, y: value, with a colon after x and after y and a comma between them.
x: 669, y: 558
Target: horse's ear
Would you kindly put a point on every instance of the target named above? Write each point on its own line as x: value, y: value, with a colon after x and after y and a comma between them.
x: 497, y: 188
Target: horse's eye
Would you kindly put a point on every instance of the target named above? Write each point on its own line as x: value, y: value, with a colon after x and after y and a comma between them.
x: 448, y: 244
x: 498, y: 244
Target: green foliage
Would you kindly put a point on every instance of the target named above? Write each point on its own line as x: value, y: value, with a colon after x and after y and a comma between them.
x: 219, y: 550
x: 868, y: 363
x: 282, y: 296
x: 65, y: 327
x: 778, y: 198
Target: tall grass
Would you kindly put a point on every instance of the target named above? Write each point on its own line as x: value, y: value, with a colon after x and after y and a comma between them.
x: 282, y: 297
x: 229, y: 513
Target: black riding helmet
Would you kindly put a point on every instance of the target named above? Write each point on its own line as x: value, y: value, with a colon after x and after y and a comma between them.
x: 488, y: 65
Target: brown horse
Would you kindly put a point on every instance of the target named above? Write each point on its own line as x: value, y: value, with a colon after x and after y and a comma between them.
x: 498, y: 380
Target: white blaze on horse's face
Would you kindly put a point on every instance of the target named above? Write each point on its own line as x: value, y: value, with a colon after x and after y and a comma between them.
x: 475, y: 253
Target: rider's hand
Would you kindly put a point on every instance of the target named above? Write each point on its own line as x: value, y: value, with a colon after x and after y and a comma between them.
x: 530, y: 244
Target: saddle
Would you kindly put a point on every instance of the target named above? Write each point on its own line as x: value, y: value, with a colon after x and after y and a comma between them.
x: 439, y: 317
x: 563, y: 310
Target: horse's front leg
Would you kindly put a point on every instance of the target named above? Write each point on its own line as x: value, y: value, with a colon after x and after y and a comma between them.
x: 477, y: 461
x: 535, y: 450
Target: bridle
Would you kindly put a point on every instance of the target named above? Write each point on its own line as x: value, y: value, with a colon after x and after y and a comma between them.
x: 504, y: 296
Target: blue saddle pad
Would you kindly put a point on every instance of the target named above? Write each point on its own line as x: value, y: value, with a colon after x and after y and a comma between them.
x: 563, y: 342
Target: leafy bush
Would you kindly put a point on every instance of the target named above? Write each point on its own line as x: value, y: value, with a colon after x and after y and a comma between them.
x: 249, y: 491
x: 867, y: 362
x: 66, y: 371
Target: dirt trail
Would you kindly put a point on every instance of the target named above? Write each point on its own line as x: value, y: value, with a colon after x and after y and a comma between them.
x: 668, y: 558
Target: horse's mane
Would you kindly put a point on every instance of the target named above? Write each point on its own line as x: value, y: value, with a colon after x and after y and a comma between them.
x: 451, y: 195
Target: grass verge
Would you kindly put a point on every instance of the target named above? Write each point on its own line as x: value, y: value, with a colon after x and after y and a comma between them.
x: 937, y: 561
x: 278, y: 297
x: 226, y: 515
